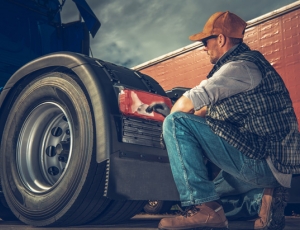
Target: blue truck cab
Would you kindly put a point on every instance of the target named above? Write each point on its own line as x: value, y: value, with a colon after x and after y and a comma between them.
x: 30, y: 29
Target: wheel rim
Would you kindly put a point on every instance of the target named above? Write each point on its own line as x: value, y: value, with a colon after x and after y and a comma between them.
x: 153, y: 203
x: 40, y: 164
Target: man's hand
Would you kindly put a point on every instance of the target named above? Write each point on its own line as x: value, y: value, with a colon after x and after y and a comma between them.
x: 201, y: 112
x: 159, y: 107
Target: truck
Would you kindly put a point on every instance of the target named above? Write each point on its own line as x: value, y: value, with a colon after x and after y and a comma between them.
x: 69, y: 155
x: 275, y: 34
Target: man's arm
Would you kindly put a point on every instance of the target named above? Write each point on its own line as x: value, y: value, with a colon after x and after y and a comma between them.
x: 183, y: 104
x: 232, y: 78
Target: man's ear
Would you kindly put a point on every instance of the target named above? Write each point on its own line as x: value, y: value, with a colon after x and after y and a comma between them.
x: 221, y: 40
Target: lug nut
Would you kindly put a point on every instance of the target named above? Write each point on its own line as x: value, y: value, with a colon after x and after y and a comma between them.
x: 63, y: 148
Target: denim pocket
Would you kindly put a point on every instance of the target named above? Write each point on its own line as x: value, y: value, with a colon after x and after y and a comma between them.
x: 257, y: 172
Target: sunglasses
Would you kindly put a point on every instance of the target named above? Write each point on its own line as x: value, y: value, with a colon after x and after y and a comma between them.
x: 204, y: 41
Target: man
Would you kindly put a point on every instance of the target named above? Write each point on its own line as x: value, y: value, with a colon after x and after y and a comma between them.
x: 241, y: 118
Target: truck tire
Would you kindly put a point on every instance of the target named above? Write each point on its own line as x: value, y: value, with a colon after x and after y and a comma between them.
x: 158, y: 206
x: 119, y: 211
x: 50, y: 176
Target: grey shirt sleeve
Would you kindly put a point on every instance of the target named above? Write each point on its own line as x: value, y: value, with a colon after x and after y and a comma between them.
x: 232, y: 78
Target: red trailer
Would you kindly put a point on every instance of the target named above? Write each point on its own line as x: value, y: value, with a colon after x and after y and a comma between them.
x: 275, y: 34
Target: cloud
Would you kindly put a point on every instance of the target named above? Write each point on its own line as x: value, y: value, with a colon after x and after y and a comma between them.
x: 135, y: 31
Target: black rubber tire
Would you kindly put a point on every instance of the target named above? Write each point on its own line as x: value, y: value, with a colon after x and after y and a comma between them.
x: 158, y: 206
x: 77, y: 196
x: 119, y: 211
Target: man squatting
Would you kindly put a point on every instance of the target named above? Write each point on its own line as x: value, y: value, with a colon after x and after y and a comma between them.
x: 241, y: 119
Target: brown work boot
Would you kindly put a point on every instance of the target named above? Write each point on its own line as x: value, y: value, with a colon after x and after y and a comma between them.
x: 271, y: 215
x: 206, y: 216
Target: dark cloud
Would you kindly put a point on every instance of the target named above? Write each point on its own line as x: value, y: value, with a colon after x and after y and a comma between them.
x: 135, y: 31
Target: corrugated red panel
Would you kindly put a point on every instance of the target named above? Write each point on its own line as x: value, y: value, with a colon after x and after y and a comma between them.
x: 278, y: 39
x: 186, y: 70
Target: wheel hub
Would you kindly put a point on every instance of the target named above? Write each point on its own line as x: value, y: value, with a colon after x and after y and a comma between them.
x: 44, y: 147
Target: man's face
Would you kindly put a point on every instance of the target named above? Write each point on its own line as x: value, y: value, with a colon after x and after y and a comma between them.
x: 212, y: 49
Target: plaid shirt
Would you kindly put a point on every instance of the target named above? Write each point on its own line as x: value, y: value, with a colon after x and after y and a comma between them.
x: 260, y: 122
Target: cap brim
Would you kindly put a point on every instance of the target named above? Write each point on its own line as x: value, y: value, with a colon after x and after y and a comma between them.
x: 199, y: 36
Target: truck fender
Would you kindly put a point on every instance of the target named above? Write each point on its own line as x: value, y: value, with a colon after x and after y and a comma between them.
x: 82, y: 66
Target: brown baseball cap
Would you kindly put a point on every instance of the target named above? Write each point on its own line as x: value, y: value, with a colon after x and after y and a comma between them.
x: 225, y: 23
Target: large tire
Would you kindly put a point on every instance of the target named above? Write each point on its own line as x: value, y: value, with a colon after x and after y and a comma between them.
x: 119, y: 211
x: 158, y: 206
x: 40, y: 187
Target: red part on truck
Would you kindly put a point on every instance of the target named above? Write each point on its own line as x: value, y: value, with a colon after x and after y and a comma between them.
x: 135, y: 103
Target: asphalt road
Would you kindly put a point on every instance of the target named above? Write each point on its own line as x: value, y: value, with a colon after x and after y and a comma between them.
x: 142, y: 222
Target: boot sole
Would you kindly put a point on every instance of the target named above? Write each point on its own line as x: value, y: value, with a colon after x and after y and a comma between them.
x: 279, y: 202
x: 199, y: 228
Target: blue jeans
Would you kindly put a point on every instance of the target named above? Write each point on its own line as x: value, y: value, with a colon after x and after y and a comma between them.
x: 189, y: 140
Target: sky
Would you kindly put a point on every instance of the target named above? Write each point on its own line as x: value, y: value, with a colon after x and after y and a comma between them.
x: 136, y: 31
